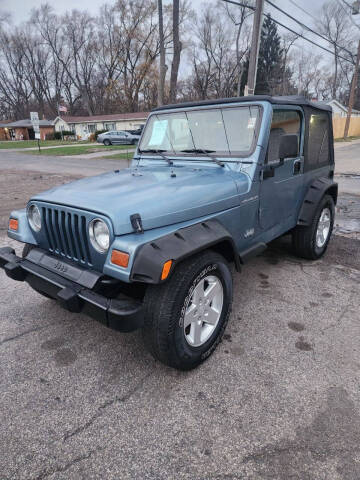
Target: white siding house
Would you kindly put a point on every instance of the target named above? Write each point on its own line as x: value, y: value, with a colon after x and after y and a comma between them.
x: 339, y: 110
x: 84, y: 126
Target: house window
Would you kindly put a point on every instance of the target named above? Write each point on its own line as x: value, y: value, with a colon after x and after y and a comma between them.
x: 109, y: 126
x: 91, y: 127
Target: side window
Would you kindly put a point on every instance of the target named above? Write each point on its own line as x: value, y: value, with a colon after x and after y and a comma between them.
x: 283, y: 122
x: 318, y: 143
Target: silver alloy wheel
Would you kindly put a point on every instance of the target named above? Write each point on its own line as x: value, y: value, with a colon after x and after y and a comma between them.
x: 323, y: 227
x: 204, y: 311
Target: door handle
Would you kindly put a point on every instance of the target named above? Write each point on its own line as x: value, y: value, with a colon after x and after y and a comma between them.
x: 297, y: 167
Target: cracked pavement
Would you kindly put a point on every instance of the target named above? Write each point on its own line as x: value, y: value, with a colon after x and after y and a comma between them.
x: 279, y: 399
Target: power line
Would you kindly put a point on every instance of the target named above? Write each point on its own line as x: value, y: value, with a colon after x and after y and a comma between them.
x: 343, y: 3
x: 308, y: 28
x: 290, y: 30
x: 303, y: 10
x: 347, y: 4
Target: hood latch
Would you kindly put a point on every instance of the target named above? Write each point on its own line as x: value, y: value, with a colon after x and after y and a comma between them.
x: 136, y: 223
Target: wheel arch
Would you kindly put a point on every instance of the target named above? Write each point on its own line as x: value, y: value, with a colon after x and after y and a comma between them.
x: 182, y: 244
x: 313, y: 196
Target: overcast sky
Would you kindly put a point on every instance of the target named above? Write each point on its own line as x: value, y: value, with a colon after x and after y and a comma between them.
x: 20, y: 11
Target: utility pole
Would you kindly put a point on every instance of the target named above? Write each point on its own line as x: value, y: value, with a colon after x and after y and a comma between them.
x: 255, y: 45
x: 352, y: 92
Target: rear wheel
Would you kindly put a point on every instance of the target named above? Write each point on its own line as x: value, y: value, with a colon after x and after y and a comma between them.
x: 311, y: 242
x: 26, y: 250
x: 185, y: 318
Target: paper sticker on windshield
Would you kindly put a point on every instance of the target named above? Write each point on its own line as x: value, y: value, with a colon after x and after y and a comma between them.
x: 251, y: 122
x: 158, y: 132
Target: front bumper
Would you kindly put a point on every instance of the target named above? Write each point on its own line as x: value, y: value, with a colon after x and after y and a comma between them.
x: 73, y: 287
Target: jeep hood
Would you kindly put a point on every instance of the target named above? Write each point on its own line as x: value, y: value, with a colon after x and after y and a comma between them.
x: 158, y: 196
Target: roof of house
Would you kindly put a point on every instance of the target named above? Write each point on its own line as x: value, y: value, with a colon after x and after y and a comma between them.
x: 285, y: 100
x: 104, y: 118
x: 26, y: 123
x: 340, y: 105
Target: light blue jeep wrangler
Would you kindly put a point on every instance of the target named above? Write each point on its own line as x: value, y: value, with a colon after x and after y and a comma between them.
x: 211, y: 184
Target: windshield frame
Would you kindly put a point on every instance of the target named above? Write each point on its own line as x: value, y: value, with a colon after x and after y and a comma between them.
x: 159, y: 113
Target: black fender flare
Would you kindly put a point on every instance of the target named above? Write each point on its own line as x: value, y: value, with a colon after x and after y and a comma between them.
x: 314, y: 194
x: 178, y: 245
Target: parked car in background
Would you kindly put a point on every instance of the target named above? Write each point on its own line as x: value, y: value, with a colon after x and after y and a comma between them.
x: 116, y: 137
x: 138, y: 131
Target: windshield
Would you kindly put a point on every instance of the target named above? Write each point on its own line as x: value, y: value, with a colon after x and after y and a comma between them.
x: 225, y: 131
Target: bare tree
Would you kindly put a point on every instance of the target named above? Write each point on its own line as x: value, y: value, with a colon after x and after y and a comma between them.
x: 288, y: 41
x: 334, y: 23
x: 138, y: 21
x: 307, y: 71
x: 238, y: 18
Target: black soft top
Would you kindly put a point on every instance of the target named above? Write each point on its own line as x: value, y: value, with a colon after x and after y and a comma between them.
x: 289, y: 100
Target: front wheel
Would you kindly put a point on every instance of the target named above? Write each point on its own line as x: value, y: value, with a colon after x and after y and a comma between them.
x: 311, y: 242
x: 185, y: 318
x: 106, y: 143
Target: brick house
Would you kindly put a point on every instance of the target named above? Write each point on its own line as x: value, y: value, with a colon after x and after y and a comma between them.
x: 23, y: 129
x: 4, y: 131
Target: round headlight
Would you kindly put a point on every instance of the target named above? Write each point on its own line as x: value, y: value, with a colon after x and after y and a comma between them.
x: 34, y: 218
x: 99, y: 235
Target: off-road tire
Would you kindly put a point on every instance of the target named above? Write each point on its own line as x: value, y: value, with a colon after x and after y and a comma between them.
x: 26, y: 250
x: 163, y: 330
x: 304, y: 238
x: 107, y: 143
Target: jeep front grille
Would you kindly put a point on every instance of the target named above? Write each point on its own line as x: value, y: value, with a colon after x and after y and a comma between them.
x: 66, y: 234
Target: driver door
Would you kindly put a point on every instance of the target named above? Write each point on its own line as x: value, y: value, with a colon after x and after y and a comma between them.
x: 280, y: 190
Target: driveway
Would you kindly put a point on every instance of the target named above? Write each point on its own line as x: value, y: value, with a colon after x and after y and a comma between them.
x: 278, y: 400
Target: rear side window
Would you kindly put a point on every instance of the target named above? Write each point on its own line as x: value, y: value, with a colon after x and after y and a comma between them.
x: 318, y: 142
x: 283, y: 122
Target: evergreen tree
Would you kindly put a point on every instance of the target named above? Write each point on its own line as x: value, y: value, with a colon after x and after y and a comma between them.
x: 270, y: 65
x: 270, y: 72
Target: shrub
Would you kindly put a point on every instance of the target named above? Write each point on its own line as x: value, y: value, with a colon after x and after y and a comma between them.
x: 99, y: 132
x: 65, y: 134
x: 68, y: 133
x: 50, y: 136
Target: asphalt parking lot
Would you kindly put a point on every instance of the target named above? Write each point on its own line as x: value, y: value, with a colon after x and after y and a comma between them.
x: 279, y: 399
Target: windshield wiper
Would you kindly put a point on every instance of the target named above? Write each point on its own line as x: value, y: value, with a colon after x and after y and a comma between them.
x: 204, y: 152
x: 158, y: 152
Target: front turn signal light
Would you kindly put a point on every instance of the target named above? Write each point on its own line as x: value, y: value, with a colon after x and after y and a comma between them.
x: 13, y: 224
x: 166, y: 269
x: 120, y: 258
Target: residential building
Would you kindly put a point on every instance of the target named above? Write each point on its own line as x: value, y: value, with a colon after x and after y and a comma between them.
x: 339, y: 110
x: 23, y: 129
x: 83, y: 126
x: 4, y: 131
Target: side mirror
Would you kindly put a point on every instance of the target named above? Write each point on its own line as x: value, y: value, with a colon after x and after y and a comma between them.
x: 289, y: 146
